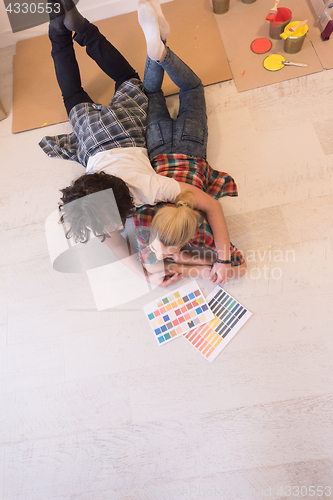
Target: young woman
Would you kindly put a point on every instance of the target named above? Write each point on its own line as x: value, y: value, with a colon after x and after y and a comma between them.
x: 177, y: 149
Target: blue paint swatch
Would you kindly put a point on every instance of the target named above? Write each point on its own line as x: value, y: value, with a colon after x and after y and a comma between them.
x: 235, y: 308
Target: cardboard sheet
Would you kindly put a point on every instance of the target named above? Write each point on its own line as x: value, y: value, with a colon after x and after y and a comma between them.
x: 324, y: 49
x: 194, y: 37
x: 243, y: 23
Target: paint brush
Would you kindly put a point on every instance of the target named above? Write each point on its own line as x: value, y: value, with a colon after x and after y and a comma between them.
x: 294, y: 28
x: 272, y: 13
x: 275, y: 62
x: 289, y: 63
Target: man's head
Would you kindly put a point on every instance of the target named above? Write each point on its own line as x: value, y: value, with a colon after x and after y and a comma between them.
x: 101, y: 213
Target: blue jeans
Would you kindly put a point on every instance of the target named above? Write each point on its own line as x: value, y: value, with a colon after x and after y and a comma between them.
x: 188, y: 133
x: 98, y: 48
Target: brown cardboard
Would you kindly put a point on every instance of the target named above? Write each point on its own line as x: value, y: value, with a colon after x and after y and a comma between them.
x: 243, y: 23
x: 194, y: 37
x: 2, y: 112
x: 324, y: 49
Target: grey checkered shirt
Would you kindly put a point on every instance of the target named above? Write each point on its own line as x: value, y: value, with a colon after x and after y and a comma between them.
x: 97, y: 128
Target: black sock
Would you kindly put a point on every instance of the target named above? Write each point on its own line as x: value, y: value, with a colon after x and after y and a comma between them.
x: 69, y: 4
x: 73, y: 21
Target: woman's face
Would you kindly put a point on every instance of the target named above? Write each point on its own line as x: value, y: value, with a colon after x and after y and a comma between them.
x: 161, y: 251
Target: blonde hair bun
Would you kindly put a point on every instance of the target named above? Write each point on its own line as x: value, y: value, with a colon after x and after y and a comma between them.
x: 175, y: 227
x: 185, y: 199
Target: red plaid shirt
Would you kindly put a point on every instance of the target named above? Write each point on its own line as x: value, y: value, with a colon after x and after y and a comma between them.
x: 195, y: 171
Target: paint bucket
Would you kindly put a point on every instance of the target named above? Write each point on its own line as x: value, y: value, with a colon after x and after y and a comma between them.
x: 277, y: 26
x: 220, y: 6
x: 293, y: 42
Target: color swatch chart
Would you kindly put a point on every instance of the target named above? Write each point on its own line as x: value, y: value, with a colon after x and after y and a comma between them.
x: 178, y: 312
x: 230, y: 316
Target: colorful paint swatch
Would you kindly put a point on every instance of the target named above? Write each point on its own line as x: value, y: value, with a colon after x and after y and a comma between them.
x: 210, y: 338
x: 170, y: 324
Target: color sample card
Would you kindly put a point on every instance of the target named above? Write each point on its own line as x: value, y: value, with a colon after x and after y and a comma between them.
x: 178, y: 312
x: 230, y: 316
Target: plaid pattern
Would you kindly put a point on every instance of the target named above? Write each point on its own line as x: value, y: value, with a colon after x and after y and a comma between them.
x: 197, y: 172
x: 98, y: 128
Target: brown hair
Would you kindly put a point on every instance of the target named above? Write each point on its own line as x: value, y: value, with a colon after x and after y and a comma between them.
x: 176, y: 225
x: 90, y: 214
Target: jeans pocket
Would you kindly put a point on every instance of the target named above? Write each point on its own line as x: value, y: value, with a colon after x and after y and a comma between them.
x: 154, y: 136
x: 193, y: 131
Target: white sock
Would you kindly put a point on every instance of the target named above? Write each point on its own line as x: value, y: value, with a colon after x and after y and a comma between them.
x: 149, y: 23
x: 163, y: 23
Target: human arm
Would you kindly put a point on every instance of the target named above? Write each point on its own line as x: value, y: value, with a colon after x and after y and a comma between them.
x: 216, y: 220
x: 195, y: 255
x: 188, y: 271
x: 203, y: 271
x: 188, y: 255
x: 185, y: 263
x: 190, y: 266
x: 119, y: 246
x: 121, y: 250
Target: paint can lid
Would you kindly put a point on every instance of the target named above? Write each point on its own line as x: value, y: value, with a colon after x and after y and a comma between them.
x: 274, y: 62
x: 261, y: 45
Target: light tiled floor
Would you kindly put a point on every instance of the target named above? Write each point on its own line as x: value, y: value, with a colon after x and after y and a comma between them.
x: 92, y: 408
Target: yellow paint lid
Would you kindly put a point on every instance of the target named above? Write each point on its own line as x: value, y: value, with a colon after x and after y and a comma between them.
x: 274, y: 62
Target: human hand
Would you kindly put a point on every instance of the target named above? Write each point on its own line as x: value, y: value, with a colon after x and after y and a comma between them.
x: 164, y: 278
x: 176, y: 257
x: 219, y: 273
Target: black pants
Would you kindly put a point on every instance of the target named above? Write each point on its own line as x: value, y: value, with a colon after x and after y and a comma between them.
x: 98, y: 48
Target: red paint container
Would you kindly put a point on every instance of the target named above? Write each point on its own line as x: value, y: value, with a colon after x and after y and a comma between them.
x: 282, y: 18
